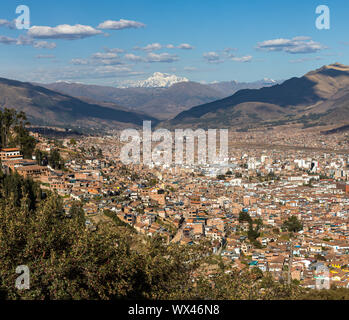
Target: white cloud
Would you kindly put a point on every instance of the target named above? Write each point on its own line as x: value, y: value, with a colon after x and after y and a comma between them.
x: 105, y: 59
x: 26, y: 41
x: 112, y: 71
x: 229, y: 50
x: 305, y: 60
x: 162, y: 57
x: 44, y: 45
x: 212, y: 57
x: 108, y: 62
x: 185, y: 46
x: 301, y: 38
x: 63, y: 31
x: 45, y: 56
x: 150, y: 47
x: 8, y: 40
x: 133, y: 57
x: 102, y: 55
x: 242, y: 59
x: 121, y: 24
x: 216, y: 57
x: 295, y: 45
x: 152, y: 57
x: 4, y: 22
x: 7, y: 23
x: 190, y: 69
x: 81, y: 73
x: 114, y: 50
x: 79, y: 62
x: 157, y: 46
x: 99, y: 59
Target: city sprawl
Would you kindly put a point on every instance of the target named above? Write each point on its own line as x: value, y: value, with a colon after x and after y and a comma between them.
x: 239, y: 208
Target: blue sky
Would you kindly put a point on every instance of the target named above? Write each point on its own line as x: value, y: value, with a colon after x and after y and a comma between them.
x: 119, y: 42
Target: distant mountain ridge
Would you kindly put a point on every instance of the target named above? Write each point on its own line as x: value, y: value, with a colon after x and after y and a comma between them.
x: 230, y: 87
x: 160, y: 102
x: 319, y: 97
x: 47, y: 107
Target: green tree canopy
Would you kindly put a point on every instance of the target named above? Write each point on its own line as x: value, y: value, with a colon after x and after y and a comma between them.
x: 292, y: 224
x: 13, y: 132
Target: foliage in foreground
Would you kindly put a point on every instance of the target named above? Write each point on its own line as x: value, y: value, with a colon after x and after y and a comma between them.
x: 66, y: 261
x: 13, y: 132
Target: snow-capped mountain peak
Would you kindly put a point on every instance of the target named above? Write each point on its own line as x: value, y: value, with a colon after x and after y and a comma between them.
x: 159, y: 79
x: 268, y: 80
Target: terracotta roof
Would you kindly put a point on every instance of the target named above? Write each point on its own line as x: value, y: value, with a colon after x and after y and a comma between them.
x: 29, y: 168
x: 10, y: 149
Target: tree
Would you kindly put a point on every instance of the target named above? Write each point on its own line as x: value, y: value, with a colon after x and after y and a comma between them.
x: 55, y: 160
x: 22, y: 138
x: 244, y: 285
x: 77, y: 212
x: 331, y: 294
x: 66, y: 261
x: 276, y: 230
x: 8, y: 119
x: 93, y: 150
x: 292, y: 224
x: 254, y: 233
x: 16, y: 188
x: 244, y: 217
x: 41, y: 157
x: 13, y: 132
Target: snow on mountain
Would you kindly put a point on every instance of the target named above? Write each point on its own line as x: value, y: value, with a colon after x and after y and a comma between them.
x: 159, y: 79
x: 267, y: 80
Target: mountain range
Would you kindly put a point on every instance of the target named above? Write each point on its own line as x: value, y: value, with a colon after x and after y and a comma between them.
x: 230, y: 87
x: 47, y: 107
x: 320, y: 97
x: 162, y: 96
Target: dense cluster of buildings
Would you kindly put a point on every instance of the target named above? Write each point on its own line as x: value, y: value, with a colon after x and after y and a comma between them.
x: 192, y: 203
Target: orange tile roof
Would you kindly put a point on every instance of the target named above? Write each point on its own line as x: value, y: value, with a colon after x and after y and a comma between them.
x: 10, y: 149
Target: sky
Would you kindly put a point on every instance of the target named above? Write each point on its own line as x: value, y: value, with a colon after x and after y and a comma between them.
x: 117, y: 43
